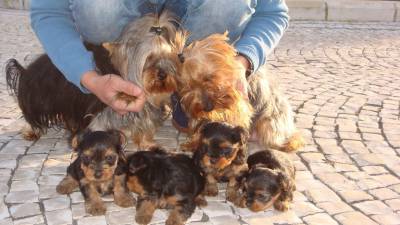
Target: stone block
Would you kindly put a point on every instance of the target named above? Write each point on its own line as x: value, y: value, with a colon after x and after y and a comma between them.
x: 307, y: 9
x: 360, y: 10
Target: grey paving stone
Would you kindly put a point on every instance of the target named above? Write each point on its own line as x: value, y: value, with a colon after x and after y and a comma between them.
x: 24, y: 210
x: 56, y: 203
x: 59, y: 217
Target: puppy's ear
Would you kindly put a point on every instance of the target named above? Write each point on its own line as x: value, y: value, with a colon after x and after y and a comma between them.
x: 118, y: 138
x: 284, y: 182
x: 77, y: 139
x: 239, y: 135
x: 158, y: 149
x: 110, y: 46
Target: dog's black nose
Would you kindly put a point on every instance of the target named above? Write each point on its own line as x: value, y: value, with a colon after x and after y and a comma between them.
x: 209, y: 106
x: 162, y: 75
x: 214, y: 160
x: 98, y: 174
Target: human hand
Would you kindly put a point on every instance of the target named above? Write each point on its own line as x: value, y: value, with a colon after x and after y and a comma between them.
x: 242, y: 84
x: 112, y: 90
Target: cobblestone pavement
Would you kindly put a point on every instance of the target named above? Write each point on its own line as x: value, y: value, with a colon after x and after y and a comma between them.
x: 344, y: 83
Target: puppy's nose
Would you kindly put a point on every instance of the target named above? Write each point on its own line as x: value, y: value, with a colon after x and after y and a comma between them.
x: 209, y: 106
x: 162, y: 75
x: 248, y: 203
x: 98, y: 174
x: 214, y: 160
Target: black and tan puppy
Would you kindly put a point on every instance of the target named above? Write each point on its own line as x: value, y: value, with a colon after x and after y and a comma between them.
x: 164, y: 180
x: 269, y: 181
x: 99, y: 169
x: 220, y: 151
x: 48, y: 100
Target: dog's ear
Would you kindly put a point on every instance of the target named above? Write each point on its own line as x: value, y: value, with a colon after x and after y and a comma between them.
x: 110, y: 46
x: 119, y: 140
x: 239, y: 135
x: 284, y: 182
x: 158, y: 149
x: 77, y: 139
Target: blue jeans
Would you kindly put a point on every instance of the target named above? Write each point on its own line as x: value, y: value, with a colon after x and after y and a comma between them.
x: 103, y: 20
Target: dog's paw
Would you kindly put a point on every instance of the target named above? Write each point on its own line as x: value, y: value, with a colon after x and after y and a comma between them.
x: 96, y: 208
x: 201, y: 201
x: 143, y: 219
x: 174, y: 220
x: 231, y: 194
x: 124, y: 200
x: 67, y: 185
x: 282, y: 205
x: 29, y: 134
x: 211, y: 190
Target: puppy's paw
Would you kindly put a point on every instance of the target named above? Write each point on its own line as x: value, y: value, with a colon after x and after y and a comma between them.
x: 67, y: 185
x: 124, y: 200
x: 174, y: 220
x: 211, y: 190
x: 30, y: 135
x: 240, y: 202
x: 96, y: 208
x: 231, y: 194
x: 282, y: 205
x: 201, y: 201
x: 143, y: 219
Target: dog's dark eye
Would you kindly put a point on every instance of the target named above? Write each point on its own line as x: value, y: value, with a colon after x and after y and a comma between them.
x: 226, y: 151
x: 264, y: 198
x: 110, y: 159
x: 85, y: 159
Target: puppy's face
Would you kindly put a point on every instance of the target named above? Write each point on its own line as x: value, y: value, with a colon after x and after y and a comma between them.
x: 220, y: 144
x: 208, y: 76
x: 99, y: 152
x: 262, y: 187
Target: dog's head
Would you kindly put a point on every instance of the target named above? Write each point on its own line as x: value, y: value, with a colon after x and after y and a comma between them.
x: 145, y: 54
x: 262, y: 186
x: 208, y: 76
x: 99, y: 153
x: 144, y: 159
x: 219, y: 144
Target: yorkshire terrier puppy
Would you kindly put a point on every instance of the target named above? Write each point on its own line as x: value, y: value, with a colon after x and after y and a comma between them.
x: 207, y: 86
x: 99, y: 169
x: 220, y: 152
x: 48, y: 100
x: 165, y: 180
x: 269, y: 181
x: 145, y: 55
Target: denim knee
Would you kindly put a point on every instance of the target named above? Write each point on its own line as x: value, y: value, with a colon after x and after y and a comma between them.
x: 102, y: 20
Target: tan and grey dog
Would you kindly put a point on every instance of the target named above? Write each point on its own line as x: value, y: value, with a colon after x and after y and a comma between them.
x: 144, y: 54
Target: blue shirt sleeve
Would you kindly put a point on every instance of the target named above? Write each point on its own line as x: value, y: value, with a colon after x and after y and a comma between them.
x: 53, y: 24
x: 264, y: 31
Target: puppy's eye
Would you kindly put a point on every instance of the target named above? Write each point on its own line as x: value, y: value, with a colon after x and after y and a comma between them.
x: 264, y: 198
x: 110, y: 159
x: 85, y: 159
x: 226, y: 151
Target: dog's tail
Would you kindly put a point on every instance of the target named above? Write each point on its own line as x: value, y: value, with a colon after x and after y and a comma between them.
x: 13, y: 74
x: 294, y: 142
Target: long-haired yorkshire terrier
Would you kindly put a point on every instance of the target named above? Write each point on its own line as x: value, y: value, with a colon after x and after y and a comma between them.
x: 207, y: 78
x: 99, y: 169
x: 164, y: 180
x: 221, y: 153
x: 207, y: 87
x: 144, y: 54
x: 48, y: 100
x: 269, y: 181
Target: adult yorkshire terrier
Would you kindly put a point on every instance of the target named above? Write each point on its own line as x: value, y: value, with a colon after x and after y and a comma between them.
x: 221, y: 155
x: 207, y: 87
x: 48, y: 100
x: 144, y: 54
x: 99, y: 169
x: 164, y: 180
x: 269, y: 181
